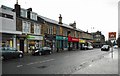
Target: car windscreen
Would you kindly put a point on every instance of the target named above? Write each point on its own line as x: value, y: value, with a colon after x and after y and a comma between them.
x: 7, y: 49
x: 105, y: 46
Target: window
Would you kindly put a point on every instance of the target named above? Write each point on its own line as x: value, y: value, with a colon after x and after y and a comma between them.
x: 37, y: 29
x: 57, y: 30
x: 50, y: 29
x: 33, y: 16
x: 23, y: 13
x: 26, y: 27
x: 97, y: 35
x: 6, y: 15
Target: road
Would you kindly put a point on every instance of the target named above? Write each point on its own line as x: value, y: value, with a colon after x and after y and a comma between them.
x: 68, y: 62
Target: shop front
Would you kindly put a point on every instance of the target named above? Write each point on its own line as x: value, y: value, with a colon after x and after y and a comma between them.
x: 73, y: 43
x: 82, y: 43
x: 50, y: 40
x: 61, y: 43
x: 34, y: 42
x: 8, y: 40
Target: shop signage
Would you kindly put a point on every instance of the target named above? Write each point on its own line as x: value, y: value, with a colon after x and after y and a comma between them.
x: 31, y: 37
x: 75, y: 39
x: 69, y: 38
x: 61, y: 38
x: 65, y: 38
x: 81, y: 41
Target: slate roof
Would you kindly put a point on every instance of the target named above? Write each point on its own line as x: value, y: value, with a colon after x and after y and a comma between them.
x: 55, y: 22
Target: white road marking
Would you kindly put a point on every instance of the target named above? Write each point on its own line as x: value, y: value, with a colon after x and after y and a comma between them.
x: 40, y: 62
x: 19, y: 66
x: 29, y: 63
x: 36, y: 62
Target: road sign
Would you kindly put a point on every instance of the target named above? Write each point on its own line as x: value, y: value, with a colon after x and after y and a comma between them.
x: 112, y: 35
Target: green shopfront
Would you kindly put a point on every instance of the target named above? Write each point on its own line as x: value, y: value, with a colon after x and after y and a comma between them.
x: 61, y: 43
x: 34, y: 42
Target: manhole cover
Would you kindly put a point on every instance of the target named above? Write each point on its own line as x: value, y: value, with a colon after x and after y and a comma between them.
x: 42, y: 67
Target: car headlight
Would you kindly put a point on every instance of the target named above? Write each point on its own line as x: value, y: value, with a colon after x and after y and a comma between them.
x: 36, y: 51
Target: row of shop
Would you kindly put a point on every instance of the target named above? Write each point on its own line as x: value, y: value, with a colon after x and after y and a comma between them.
x: 26, y: 43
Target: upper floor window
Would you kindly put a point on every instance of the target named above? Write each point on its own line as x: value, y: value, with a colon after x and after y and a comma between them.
x: 77, y: 34
x: 26, y: 27
x: 65, y: 32
x: 51, y: 30
x: 6, y: 15
x: 33, y: 16
x: 97, y: 35
x: 23, y: 13
x: 37, y: 29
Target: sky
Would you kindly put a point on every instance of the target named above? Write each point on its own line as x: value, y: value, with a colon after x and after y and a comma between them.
x: 91, y: 15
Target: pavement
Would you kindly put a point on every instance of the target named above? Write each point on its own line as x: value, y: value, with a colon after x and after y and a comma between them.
x: 107, y: 65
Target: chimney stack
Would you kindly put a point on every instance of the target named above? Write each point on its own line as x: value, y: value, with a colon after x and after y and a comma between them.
x: 28, y: 12
x: 73, y: 25
x: 60, y: 19
x: 17, y: 8
x: 16, y: 1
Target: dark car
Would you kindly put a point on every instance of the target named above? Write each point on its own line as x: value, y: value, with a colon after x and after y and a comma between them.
x: 105, y: 48
x: 9, y: 52
x: 42, y: 51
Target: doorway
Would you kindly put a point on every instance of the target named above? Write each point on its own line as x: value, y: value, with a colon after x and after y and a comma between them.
x: 22, y: 45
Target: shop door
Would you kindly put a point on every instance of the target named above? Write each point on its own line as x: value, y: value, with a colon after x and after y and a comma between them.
x: 22, y: 45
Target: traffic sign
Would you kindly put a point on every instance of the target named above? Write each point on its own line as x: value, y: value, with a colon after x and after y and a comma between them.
x: 112, y: 35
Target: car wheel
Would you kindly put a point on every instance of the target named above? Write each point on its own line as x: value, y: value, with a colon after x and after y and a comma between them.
x: 50, y: 52
x: 20, y: 55
x: 2, y: 58
x: 40, y: 53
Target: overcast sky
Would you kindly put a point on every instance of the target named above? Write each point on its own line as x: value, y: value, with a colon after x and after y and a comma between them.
x: 100, y: 14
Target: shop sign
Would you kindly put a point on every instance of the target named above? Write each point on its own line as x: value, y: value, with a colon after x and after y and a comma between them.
x: 69, y: 38
x: 59, y: 38
x: 75, y: 39
x: 81, y: 41
x: 65, y: 38
x: 31, y: 37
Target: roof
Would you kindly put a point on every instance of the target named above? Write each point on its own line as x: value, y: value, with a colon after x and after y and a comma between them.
x: 79, y: 30
x: 54, y: 22
x: 6, y: 8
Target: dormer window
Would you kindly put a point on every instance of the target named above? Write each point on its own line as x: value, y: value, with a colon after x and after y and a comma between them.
x: 33, y: 16
x: 23, y: 13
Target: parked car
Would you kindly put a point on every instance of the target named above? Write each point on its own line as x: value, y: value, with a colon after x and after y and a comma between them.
x: 90, y: 47
x: 105, y: 48
x: 9, y: 52
x: 42, y: 51
x: 84, y: 47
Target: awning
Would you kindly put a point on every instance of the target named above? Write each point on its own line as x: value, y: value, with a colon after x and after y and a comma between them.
x: 11, y: 32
